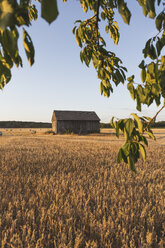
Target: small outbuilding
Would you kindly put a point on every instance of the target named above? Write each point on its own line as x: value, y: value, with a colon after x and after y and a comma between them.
x: 75, y: 121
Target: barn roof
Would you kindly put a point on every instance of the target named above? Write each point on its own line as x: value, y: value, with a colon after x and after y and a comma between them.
x: 75, y: 115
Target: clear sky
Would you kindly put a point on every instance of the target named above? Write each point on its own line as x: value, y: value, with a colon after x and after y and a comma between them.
x: 58, y: 80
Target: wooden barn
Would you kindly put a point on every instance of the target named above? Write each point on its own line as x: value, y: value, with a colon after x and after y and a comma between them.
x: 75, y: 121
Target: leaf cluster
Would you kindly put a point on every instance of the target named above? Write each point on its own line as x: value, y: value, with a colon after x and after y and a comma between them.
x: 152, y: 87
x: 107, y: 65
x: 14, y: 15
x: 134, y: 130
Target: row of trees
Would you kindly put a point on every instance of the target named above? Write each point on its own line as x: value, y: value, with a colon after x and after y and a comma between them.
x: 109, y: 68
x: 158, y: 124
x: 23, y: 124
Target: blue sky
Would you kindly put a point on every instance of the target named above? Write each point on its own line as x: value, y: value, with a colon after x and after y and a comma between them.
x: 58, y: 79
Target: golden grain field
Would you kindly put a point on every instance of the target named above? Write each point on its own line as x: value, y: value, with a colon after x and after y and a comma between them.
x: 69, y: 192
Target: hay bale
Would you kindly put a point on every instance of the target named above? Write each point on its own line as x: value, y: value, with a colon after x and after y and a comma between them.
x: 33, y: 131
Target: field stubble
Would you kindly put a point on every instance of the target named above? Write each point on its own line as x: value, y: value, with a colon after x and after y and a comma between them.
x: 68, y: 191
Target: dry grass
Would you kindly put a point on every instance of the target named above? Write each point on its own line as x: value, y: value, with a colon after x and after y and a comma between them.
x: 68, y: 191
x: 23, y: 131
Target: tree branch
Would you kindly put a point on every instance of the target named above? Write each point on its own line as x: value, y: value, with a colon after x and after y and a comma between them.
x: 158, y: 113
x: 97, y: 20
x: 87, y: 21
x: 154, y: 118
x: 157, y: 34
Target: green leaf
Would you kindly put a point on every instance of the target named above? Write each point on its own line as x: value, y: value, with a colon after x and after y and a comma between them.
x: 138, y: 107
x: 33, y: 13
x: 103, y: 15
x: 131, y: 78
x: 117, y: 129
x: 78, y: 40
x: 29, y: 48
x: 155, y: 89
x: 107, y: 29
x: 126, y: 148
x: 131, y: 89
x: 151, y: 135
x: 147, y: 118
x: 151, y: 68
x: 124, y: 11
x: 73, y: 30
x: 159, y: 21
x: 129, y: 126
x: 152, y: 14
x: 134, y: 151
x: 143, y: 75
x: 141, y: 94
x: 6, y: 14
x: 23, y: 16
x: 124, y: 68
x: 131, y: 164
x: 119, y: 76
x: 162, y: 83
x: 102, y: 41
x: 101, y: 88
x: 112, y: 121
x: 81, y: 56
x: 126, y: 151
x: 123, y: 74
x: 151, y: 8
x: 120, y: 155
x: 101, y: 73
x: 147, y: 48
x: 49, y: 10
x: 145, y: 140
x: 121, y: 124
x: 139, y: 122
x: 5, y: 75
x: 126, y: 135
x: 152, y: 52
x: 159, y: 2
x: 77, y: 21
x: 142, y: 65
x: 9, y: 43
x: 157, y: 100
x: 145, y: 12
x: 159, y: 46
x: 143, y: 151
x: 84, y: 5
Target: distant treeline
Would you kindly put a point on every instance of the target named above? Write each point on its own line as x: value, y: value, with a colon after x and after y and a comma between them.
x: 105, y: 125
x: 27, y: 124
x: 23, y: 124
x: 159, y: 124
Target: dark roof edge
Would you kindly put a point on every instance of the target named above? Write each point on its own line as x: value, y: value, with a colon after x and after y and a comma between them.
x: 72, y: 112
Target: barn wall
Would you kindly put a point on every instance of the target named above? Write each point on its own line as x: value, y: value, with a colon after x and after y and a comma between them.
x: 93, y: 126
x: 71, y: 126
x: 54, y: 123
x: 54, y: 126
x: 78, y: 126
x: 61, y: 127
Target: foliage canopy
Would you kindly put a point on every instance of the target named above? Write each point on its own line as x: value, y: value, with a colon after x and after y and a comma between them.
x: 109, y: 68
